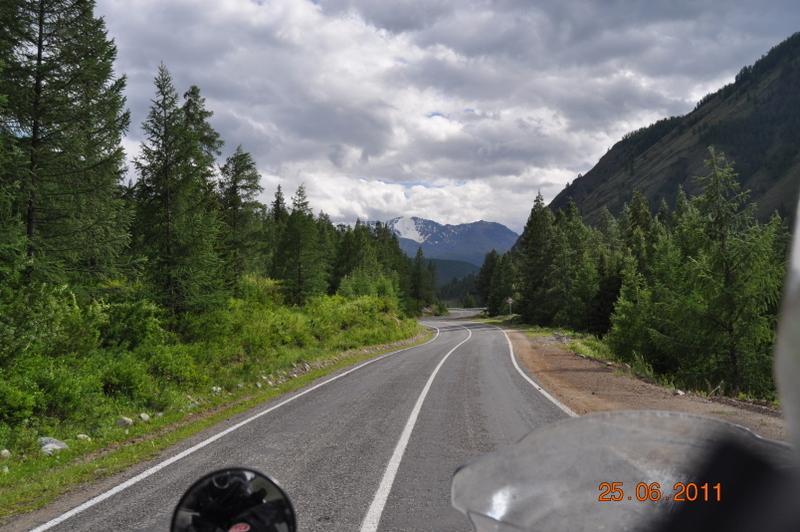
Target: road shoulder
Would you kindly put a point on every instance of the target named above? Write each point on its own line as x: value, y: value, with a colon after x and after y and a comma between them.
x: 586, y: 385
x: 69, y: 484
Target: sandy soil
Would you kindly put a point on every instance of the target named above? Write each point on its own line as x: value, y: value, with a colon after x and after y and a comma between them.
x: 587, y: 385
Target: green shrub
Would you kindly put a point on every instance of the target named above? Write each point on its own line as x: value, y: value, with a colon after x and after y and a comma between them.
x: 171, y: 364
x: 133, y: 323
x: 261, y: 291
x: 67, y: 388
x: 18, y: 404
x: 126, y: 376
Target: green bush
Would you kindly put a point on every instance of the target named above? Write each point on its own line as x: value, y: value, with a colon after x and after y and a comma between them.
x: 67, y: 388
x: 133, y: 323
x: 171, y: 364
x: 82, y: 364
x: 18, y: 404
x: 126, y: 376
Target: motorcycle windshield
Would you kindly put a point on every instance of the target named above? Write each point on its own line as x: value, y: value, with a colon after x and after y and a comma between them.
x: 614, y: 471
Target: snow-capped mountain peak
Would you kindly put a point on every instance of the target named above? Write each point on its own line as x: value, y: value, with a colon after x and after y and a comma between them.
x: 406, y: 227
x: 465, y: 242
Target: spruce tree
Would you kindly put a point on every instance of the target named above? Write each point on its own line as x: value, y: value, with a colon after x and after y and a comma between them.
x: 175, y: 228
x: 738, y: 276
x: 422, y: 281
x: 278, y: 207
x: 501, y: 286
x: 238, y: 190
x: 534, y: 250
x: 484, y: 281
x: 66, y: 115
x: 571, y: 279
x: 202, y: 145
x: 298, y: 258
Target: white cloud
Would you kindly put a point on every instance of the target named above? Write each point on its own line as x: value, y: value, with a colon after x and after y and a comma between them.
x: 449, y: 109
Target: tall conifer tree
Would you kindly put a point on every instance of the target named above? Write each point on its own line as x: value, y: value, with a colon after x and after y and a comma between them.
x: 176, y: 229
x: 239, y: 187
x: 66, y: 113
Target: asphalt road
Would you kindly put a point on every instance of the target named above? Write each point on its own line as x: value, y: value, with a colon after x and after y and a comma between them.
x: 374, y: 447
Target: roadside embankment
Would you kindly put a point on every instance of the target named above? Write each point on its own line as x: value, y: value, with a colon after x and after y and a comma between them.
x: 588, y: 385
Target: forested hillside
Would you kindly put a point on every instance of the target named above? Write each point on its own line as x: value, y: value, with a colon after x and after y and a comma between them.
x: 689, y: 294
x: 755, y: 121
x: 117, y: 298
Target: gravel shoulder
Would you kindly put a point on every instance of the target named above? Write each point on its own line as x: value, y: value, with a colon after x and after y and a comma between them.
x: 587, y: 385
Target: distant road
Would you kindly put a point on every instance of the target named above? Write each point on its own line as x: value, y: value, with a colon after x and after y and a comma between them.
x: 372, y: 450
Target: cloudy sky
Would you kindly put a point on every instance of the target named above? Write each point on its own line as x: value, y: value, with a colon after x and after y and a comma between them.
x: 455, y: 110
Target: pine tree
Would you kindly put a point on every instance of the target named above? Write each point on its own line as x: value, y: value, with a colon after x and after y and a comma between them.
x: 279, y: 211
x: 66, y: 113
x: 609, y: 252
x: 637, y: 221
x: 572, y: 277
x: 535, y: 258
x: 12, y: 246
x: 298, y: 258
x: 238, y: 190
x: 327, y: 246
x: 484, y: 281
x: 175, y: 228
x: 738, y: 276
x: 203, y: 145
x: 501, y: 287
x: 422, y: 281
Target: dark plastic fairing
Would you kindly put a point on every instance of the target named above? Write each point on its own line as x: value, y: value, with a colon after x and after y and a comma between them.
x: 234, y: 500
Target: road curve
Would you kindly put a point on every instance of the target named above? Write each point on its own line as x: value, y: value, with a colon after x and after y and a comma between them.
x: 330, y: 448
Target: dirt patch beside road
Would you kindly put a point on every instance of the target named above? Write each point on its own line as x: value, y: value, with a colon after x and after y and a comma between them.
x: 587, y: 385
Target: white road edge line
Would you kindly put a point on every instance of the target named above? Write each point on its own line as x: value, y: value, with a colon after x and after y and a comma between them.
x: 183, y: 454
x: 373, y: 517
x: 533, y: 383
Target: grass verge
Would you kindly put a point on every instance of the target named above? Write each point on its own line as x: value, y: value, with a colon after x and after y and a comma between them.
x: 34, y: 482
x: 583, y: 344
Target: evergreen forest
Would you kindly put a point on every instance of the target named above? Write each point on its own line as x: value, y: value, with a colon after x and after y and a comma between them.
x: 123, y: 287
x: 690, y: 294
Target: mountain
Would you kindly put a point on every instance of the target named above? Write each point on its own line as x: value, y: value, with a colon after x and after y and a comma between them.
x: 463, y: 242
x: 447, y: 270
x: 755, y: 121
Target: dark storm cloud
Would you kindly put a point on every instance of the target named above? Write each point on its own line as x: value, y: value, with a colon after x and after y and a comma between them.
x: 451, y: 109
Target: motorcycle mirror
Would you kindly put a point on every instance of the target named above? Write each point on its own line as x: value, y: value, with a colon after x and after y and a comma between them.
x: 234, y: 500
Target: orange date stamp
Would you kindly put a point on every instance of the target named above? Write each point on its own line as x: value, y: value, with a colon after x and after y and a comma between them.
x: 653, y: 492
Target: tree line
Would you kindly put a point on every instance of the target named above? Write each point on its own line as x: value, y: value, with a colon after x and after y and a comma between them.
x: 692, y: 292
x: 185, y: 229
x: 123, y: 293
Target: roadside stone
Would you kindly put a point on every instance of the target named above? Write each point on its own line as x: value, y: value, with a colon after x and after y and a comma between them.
x: 5, y: 470
x: 216, y: 389
x: 240, y: 385
x: 678, y: 392
x: 51, y: 445
x: 84, y: 437
x: 5, y: 454
x: 123, y: 421
x: 159, y: 414
x: 258, y: 385
x: 144, y: 417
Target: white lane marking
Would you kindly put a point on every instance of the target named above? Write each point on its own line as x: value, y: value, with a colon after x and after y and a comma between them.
x: 373, y: 517
x: 533, y: 383
x: 183, y: 454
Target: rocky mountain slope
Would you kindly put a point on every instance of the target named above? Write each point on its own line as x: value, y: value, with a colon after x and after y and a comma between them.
x: 755, y: 121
